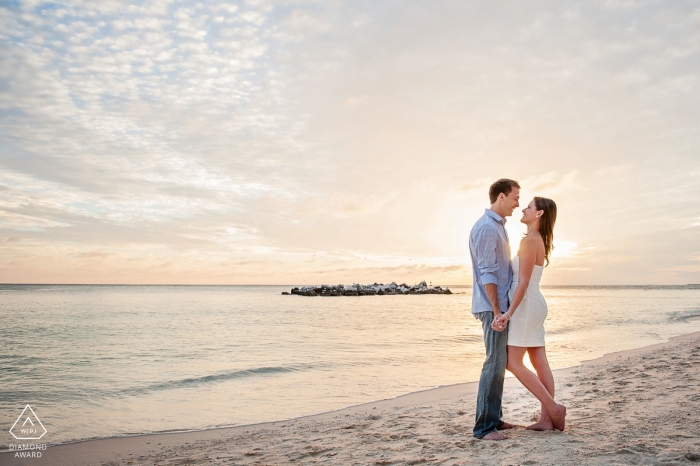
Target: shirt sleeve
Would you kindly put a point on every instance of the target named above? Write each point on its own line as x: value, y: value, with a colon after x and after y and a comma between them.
x: 485, y: 242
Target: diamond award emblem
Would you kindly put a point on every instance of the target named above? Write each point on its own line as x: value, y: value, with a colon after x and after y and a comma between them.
x: 28, y: 426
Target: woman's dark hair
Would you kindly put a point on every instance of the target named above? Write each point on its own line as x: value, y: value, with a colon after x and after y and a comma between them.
x: 547, y: 223
x: 504, y: 185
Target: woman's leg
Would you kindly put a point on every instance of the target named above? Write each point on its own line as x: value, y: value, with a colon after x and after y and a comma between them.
x: 556, y: 411
x: 538, y: 358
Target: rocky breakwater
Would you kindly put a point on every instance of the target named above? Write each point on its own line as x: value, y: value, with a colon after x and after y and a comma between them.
x: 367, y: 290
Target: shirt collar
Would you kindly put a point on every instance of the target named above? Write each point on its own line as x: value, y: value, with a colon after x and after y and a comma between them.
x: 495, y: 216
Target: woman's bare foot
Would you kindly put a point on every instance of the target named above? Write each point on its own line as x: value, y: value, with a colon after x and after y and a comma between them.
x: 494, y: 436
x: 541, y: 425
x: 559, y: 417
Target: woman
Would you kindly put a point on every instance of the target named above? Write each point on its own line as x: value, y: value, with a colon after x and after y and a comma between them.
x: 528, y: 311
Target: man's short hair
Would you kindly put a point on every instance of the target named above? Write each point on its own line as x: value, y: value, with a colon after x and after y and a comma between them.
x: 504, y: 185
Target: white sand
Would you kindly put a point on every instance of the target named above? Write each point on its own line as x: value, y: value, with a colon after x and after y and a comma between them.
x: 635, y: 407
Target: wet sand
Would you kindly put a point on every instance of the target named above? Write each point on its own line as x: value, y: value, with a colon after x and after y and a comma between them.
x: 634, y: 407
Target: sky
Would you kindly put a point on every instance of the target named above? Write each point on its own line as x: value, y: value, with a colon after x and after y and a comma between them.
x: 309, y: 142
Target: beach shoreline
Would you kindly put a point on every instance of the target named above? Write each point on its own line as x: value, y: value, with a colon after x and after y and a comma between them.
x: 444, y: 412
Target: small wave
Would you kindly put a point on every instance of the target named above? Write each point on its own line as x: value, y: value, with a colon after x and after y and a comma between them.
x: 193, y: 381
x: 684, y: 316
x: 466, y: 339
x: 568, y: 329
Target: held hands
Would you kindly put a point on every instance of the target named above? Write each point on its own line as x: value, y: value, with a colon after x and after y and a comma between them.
x: 500, y: 321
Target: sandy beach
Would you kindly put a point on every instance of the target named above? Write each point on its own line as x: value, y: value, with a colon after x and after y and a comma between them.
x: 635, y: 407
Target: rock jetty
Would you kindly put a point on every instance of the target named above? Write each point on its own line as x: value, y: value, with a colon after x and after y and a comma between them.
x: 367, y: 290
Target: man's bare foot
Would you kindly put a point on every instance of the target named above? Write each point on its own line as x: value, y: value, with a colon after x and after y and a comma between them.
x: 506, y: 425
x: 541, y: 425
x: 559, y: 417
x: 494, y: 436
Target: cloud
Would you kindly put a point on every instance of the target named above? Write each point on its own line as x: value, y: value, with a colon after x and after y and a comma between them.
x: 480, y: 186
x: 242, y: 133
x: 18, y: 222
x: 98, y: 254
x: 552, y: 183
x: 353, y: 101
x: 682, y: 268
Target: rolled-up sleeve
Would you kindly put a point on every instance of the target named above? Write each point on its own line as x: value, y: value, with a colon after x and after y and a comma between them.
x: 485, y: 241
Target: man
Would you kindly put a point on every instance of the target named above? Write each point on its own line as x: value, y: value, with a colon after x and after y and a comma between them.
x: 490, y: 253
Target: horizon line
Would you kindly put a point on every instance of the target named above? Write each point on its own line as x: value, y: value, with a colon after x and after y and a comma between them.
x: 287, y: 284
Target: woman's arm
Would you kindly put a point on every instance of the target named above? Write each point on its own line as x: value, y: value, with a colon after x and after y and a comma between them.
x: 528, y: 256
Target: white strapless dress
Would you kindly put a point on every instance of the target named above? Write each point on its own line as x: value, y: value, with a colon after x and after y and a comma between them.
x: 526, y: 327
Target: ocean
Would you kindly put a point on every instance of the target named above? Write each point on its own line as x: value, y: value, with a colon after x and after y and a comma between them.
x: 102, y: 361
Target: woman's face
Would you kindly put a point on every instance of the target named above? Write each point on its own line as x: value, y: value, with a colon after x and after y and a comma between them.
x: 530, y: 213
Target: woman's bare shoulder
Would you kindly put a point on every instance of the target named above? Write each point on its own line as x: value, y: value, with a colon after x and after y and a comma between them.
x: 532, y: 243
x: 531, y: 240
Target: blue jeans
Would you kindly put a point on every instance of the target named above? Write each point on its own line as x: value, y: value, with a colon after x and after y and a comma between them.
x: 488, y: 400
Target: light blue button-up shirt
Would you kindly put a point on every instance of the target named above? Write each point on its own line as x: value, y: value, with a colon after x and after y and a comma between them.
x: 490, y: 251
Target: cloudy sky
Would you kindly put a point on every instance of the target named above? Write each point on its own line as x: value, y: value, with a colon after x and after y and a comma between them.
x: 317, y: 142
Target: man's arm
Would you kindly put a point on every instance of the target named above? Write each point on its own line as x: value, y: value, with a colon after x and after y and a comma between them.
x: 485, y: 240
x: 492, y: 293
x: 497, y: 324
x: 487, y: 264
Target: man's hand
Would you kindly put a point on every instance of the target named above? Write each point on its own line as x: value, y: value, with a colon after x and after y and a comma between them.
x: 492, y: 294
x: 499, y: 324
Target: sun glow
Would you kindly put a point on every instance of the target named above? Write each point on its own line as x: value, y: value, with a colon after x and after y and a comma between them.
x: 563, y: 249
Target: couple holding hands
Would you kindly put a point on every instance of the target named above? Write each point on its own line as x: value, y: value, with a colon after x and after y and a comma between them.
x: 506, y: 299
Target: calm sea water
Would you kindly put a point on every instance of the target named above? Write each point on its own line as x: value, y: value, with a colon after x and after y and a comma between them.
x: 102, y: 361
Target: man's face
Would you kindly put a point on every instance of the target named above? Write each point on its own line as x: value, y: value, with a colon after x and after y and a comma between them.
x: 511, y: 201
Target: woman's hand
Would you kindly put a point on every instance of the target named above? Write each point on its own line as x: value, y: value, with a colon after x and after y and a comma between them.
x: 499, y: 324
x: 504, y: 319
